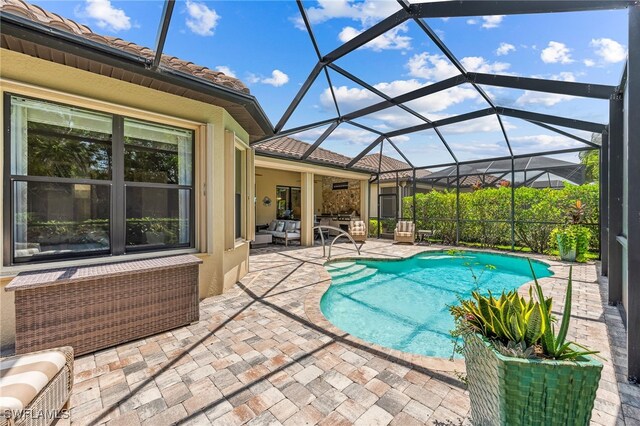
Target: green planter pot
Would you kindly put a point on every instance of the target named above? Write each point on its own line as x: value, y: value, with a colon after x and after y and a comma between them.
x: 567, y: 254
x: 516, y: 391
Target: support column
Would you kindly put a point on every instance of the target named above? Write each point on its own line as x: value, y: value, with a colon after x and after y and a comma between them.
x: 306, y: 193
x: 413, y: 195
x: 632, y: 195
x: 513, y: 202
x: 604, y: 203
x: 457, y: 204
x: 615, y: 199
x: 364, y: 202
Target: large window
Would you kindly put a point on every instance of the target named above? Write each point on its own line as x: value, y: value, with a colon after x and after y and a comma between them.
x: 288, y: 202
x: 83, y: 183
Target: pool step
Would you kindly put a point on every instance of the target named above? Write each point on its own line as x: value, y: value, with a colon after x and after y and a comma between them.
x: 340, y: 265
x: 355, y: 277
x: 347, y: 270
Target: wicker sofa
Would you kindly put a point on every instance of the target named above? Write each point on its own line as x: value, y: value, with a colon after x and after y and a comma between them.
x: 405, y: 232
x: 358, y: 230
x: 283, y: 230
x: 35, y: 387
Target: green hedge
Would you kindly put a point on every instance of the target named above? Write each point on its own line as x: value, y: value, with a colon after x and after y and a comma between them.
x: 486, y: 214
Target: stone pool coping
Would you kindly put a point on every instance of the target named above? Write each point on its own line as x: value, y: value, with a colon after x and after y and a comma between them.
x: 315, y: 315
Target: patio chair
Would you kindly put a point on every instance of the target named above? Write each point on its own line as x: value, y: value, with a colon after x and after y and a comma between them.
x: 35, y: 387
x: 358, y: 230
x: 405, y: 232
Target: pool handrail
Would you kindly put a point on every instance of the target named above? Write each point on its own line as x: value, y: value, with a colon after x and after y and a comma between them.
x: 341, y: 233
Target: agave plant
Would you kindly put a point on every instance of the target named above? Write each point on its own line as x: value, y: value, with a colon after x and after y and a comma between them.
x: 513, y: 321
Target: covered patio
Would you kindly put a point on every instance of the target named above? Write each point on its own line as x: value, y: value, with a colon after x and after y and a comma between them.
x: 263, y: 354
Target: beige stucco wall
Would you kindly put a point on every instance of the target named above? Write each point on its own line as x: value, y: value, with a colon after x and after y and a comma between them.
x: 266, y: 182
x: 22, y: 74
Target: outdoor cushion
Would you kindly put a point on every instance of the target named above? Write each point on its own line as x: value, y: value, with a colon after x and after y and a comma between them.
x: 357, y: 227
x: 404, y: 234
x: 272, y: 225
x: 23, y: 377
x: 404, y: 226
x: 280, y: 226
x: 298, y: 225
x: 291, y: 226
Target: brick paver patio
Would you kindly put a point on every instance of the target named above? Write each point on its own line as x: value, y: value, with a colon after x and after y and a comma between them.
x: 262, y: 354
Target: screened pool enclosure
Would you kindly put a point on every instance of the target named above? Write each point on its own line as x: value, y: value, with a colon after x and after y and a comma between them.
x: 486, y: 131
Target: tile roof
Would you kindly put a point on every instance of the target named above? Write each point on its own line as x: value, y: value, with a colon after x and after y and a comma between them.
x: 37, y: 14
x: 294, y: 148
x: 388, y: 164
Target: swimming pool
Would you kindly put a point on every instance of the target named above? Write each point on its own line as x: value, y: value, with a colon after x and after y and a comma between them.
x: 404, y: 304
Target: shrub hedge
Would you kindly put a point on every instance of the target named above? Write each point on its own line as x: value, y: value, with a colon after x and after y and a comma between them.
x: 485, y: 214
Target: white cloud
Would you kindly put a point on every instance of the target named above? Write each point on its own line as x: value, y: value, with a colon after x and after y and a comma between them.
x: 391, y: 40
x: 609, y: 50
x: 201, y: 20
x: 556, y: 52
x: 365, y: 12
x: 106, y: 15
x: 505, y: 49
x: 488, y: 22
x: 277, y: 79
x: 436, y: 67
x: 547, y: 99
x: 226, y: 70
x: 589, y: 62
x: 492, y: 21
x: 354, y: 98
x: 344, y: 133
x: 487, y: 124
x: 479, y: 64
x: 542, y: 142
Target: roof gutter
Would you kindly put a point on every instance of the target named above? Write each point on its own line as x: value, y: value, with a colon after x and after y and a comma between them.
x: 40, y: 34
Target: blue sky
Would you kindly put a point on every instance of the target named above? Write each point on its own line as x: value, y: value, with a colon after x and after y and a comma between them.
x: 264, y: 44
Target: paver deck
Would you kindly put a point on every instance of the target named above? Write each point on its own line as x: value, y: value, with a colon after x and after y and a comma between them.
x: 262, y: 354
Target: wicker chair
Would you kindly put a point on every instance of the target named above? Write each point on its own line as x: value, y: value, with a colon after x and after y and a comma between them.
x: 405, y: 232
x: 27, y: 399
x: 358, y: 230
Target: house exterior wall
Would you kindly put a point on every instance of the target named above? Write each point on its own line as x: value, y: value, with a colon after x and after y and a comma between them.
x: 224, y: 262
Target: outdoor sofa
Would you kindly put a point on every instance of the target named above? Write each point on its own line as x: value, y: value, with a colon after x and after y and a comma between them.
x: 283, y: 230
x: 35, y: 387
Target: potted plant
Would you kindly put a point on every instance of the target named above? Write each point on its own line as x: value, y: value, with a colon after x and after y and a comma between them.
x: 520, y: 371
x: 572, y: 240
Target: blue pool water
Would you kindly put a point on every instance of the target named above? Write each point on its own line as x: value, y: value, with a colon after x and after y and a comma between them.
x: 404, y: 304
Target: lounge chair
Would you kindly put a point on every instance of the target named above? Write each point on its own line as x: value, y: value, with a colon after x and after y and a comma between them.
x: 358, y: 230
x: 405, y: 232
x: 35, y: 387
